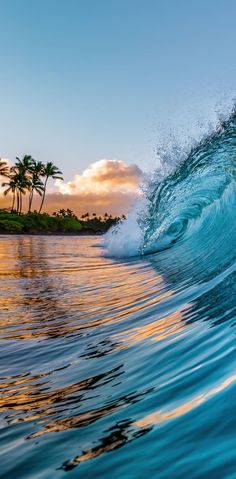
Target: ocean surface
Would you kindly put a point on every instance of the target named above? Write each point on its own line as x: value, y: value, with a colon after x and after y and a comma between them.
x: 118, y: 359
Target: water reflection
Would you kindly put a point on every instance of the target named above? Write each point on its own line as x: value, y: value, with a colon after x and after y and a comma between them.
x: 112, y: 349
x: 30, y: 398
x: 119, y: 435
x: 161, y: 329
x: 163, y: 416
x: 30, y: 296
x: 56, y: 295
x: 86, y: 418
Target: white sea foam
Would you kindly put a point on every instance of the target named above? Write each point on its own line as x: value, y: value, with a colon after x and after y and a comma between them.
x: 125, y: 239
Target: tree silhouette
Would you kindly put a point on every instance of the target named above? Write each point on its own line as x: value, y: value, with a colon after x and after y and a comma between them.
x: 11, y: 185
x: 26, y: 175
x: 4, y: 170
x: 36, y: 183
x: 21, y: 172
x: 49, y: 171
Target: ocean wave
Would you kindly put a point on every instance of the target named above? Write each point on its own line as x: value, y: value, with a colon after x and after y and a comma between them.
x: 190, y: 207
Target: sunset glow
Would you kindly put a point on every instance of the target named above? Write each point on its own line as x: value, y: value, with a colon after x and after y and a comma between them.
x: 106, y: 185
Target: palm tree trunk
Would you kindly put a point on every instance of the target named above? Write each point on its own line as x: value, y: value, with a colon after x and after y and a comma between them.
x: 13, y: 201
x: 20, y: 201
x: 17, y: 202
x: 30, y: 200
x: 43, y: 197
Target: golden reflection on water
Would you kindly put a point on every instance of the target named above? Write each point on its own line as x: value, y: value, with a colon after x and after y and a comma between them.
x: 128, y: 431
x: 159, y: 330
x: 162, y: 416
x: 28, y: 398
x: 38, y: 284
x: 117, y: 437
x: 51, y: 293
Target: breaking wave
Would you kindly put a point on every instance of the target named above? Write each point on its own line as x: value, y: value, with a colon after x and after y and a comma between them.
x: 191, y: 209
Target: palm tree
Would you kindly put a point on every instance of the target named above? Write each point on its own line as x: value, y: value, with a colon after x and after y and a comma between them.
x: 22, y: 171
x: 25, y: 165
x: 17, y: 184
x: 11, y: 187
x: 22, y: 183
x: 49, y: 171
x: 4, y: 170
x: 36, y: 183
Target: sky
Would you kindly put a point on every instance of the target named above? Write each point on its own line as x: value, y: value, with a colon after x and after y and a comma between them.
x: 88, y: 80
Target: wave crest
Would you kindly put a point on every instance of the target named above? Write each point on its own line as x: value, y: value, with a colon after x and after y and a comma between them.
x: 192, y: 206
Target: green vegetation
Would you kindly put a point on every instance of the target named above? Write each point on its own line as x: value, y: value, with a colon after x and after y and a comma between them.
x: 91, y: 223
x: 10, y: 226
x: 36, y: 223
x: 63, y: 222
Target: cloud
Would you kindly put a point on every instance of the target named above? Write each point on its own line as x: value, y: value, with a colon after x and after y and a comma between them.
x: 103, y: 176
x: 105, y: 186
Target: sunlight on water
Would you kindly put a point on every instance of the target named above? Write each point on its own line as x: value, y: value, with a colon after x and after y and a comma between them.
x: 113, y: 366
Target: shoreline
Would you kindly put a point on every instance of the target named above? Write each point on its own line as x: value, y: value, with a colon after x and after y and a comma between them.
x: 56, y: 225
x: 53, y: 233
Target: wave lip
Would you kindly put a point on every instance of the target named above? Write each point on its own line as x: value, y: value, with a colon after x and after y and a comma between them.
x: 191, y: 209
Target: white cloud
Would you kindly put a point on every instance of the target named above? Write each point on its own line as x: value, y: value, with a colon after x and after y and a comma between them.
x: 102, y: 177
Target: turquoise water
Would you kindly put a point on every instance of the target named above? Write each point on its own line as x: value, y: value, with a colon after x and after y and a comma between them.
x: 114, y: 368
x: 119, y: 360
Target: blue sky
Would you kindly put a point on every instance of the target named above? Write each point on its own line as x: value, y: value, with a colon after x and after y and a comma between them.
x: 83, y: 80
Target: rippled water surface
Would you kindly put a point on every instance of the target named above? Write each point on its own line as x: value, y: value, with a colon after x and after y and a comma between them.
x: 115, y: 368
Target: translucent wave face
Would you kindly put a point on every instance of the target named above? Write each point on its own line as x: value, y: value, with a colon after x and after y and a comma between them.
x: 197, y: 193
x: 202, y: 180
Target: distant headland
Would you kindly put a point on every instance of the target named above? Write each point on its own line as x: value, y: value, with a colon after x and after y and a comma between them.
x: 63, y: 222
